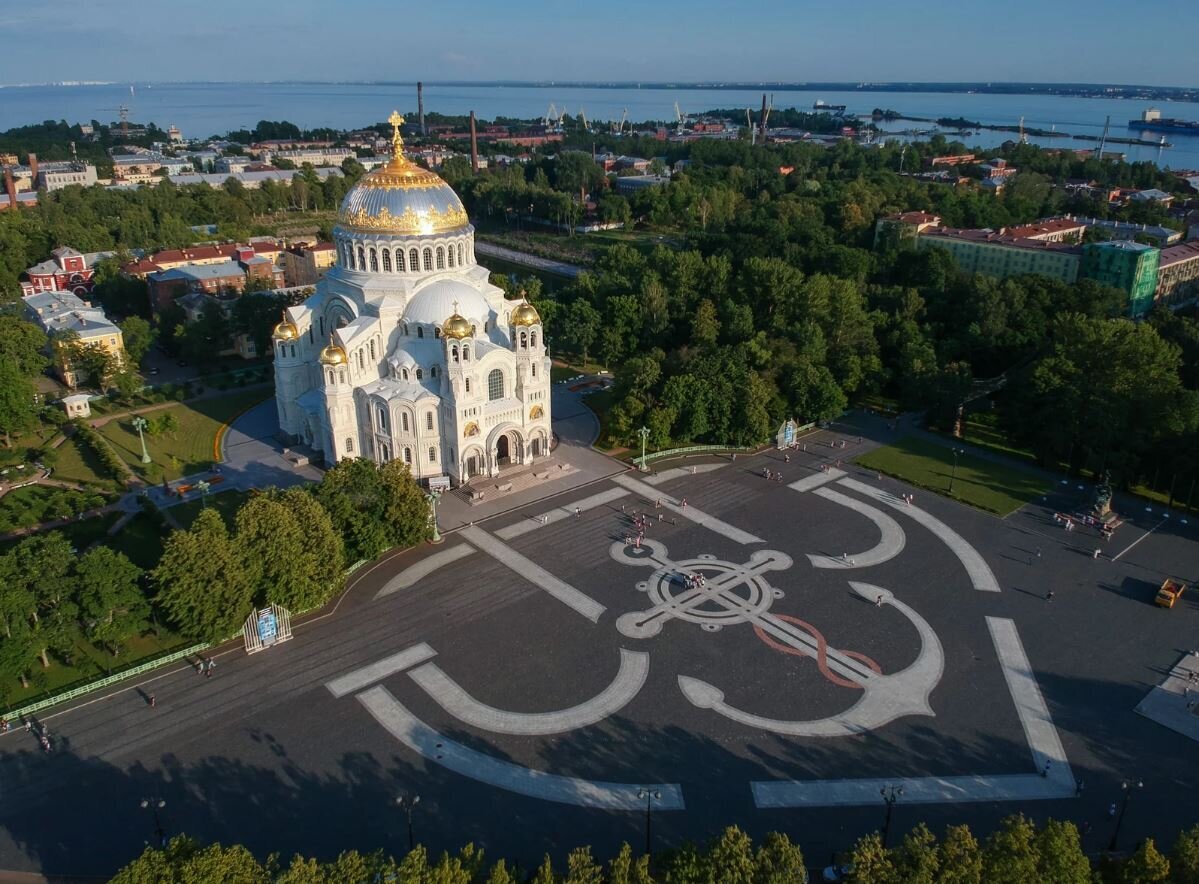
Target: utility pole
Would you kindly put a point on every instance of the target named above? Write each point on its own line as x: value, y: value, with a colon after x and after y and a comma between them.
x: 420, y: 106
x: 953, y: 474
x: 650, y: 796
x: 890, y: 796
x: 1127, y: 787
x: 139, y: 424
x: 433, y: 497
x: 408, y: 805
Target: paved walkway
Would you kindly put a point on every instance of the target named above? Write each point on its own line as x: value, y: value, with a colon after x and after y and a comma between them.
x: 561, y: 268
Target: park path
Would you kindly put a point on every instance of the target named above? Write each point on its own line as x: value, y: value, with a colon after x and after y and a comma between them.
x: 561, y: 268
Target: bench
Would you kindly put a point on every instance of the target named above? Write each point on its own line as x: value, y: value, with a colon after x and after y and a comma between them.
x: 476, y: 496
x: 507, y: 486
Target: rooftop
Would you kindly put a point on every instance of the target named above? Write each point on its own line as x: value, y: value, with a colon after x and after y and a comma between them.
x: 1187, y: 251
x: 1001, y: 238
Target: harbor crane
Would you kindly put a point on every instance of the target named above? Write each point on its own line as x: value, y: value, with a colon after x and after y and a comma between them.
x: 749, y: 126
x: 619, y: 129
x: 1107, y: 124
x: 583, y: 119
x: 679, y: 116
x: 123, y: 112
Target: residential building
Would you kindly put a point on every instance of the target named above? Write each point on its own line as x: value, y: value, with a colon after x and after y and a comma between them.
x: 896, y: 231
x: 232, y: 164
x: 1152, y: 195
x: 143, y: 167
x: 325, y: 156
x: 194, y: 304
x: 65, y: 271
x: 1178, y: 275
x: 82, y: 174
x: 1129, y: 266
x: 226, y: 279
x: 997, y: 253
x: 636, y: 164
x: 962, y: 159
x: 1161, y: 236
x: 1064, y: 229
x: 63, y: 314
x: 633, y: 183
x: 304, y: 265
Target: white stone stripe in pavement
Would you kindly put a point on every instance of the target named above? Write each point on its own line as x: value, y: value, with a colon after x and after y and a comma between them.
x: 424, y: 568
x: 1038, y: 725
x: 807, y: 483
x: 509, y: 532
x: 534, y: 573
x: 976, y: 567
x: 689, y: 512
x: 360, y: 678
x: 449, y: 695
x: 891, y: 537
x: 422, y: 739
x: 1043, y: 741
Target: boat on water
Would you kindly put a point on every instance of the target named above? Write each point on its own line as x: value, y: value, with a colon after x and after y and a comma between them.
x: 1152, y: 120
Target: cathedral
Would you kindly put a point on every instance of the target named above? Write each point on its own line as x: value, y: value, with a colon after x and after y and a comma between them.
x: 406, y: 350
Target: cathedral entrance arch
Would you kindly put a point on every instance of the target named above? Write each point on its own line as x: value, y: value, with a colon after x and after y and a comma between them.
x: 503, y: 451
x: 474, y: 463
x: 506, y: 447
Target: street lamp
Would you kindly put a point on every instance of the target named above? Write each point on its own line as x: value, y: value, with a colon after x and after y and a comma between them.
x: 644, y: 434
x: 433, y: 497
x: 650, y: 796
x: 890, y: 796
x: 408, y: 805
x: 954, y: 473
x: 1127, y: 787
x: 154, y: 805
x: 203, y: 487
x: 139, y: 424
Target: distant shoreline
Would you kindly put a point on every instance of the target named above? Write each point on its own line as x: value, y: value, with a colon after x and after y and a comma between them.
x: 1075, y: 90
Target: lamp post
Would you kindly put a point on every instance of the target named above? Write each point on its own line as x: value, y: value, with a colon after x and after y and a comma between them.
x: 433, y: 497
x: 1127, y: 787
x: 408, y: 805
x: 644, y: 434
x: 154, y: 805
x: 650, y: 796
x: 890, y: 796
x: 203, y: 487
x: 139, y: 424
x: 954, y: 473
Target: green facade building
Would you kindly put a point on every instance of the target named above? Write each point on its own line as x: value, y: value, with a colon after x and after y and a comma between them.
x: 1129, y: 266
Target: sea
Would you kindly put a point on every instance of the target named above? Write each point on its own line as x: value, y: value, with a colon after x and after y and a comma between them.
x: 205, y: 109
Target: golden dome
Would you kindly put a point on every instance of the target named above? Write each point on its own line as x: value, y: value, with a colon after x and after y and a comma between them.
x: 333, y: 354
x: 525, y: 314
x: 286, y: 330
x: 457, y: 327
x: 401, y: 197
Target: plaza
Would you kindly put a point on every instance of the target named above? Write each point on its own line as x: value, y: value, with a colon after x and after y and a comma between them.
x: 766, y: 653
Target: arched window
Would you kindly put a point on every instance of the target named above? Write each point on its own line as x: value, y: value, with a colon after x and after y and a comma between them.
x: 454, y: 352
x: 374, y: 260
x: 495, y: 385
x: 361, y: 258
x: 432, y: 454
x: 293, y: 350
x: 485, y: 325
x: 451, y: 254
x: 407, y: 455
x: 361, y: 360
x: 436, y: 332
x: 349, y: 445
x: 428, y: 420
x: 420, y: 332
x: 524, y: 340
x: 468, y: 385
x: 382, y: 418
x: 330, y: 377
x: 413, y: 260
x: 466, y: 354
x: 387, y: 260
x: 460, y: 261
x: 404, y: 420
x: 433, y: 371
x: 399, y: 260
x: 384, y: 453
x: 322, y: 327
x: 534, y: 366
x: 440, y: 258
x: 373, y: 356
x: 341, y: 375
x: 428, y: 256
x: 532, y: 339
x: 420, y: 375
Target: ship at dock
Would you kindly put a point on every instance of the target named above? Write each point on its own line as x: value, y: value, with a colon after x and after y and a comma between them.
x: 1153, y: 121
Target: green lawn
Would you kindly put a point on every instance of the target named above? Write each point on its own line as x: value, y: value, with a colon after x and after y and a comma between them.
x: 77, y: 463
x: 981, y: 483
x: 140, y: 540
x: 226, y: 503
x: 190, y: 448
x: 23, y: 507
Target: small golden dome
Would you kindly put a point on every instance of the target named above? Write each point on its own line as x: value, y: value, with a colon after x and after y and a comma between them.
x: 286, y: 330
x: 333, y: 354
x: 457, y: 327
x: 525, y: 314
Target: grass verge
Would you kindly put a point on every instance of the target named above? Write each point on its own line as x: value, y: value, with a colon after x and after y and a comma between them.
x: 982, y: 483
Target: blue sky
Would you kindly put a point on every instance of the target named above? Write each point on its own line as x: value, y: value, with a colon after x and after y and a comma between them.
x: 1098, y: 41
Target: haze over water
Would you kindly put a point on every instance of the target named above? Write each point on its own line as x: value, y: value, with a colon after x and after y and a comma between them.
x: 203, y: 109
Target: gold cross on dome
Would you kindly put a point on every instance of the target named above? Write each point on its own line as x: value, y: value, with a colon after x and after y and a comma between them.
x: 455, y: 306
x: 397, y: 141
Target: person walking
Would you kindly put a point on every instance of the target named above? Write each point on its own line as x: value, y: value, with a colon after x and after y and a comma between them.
x: 1049, y: 596
x: 208, y: 669
x: 578, y: 513
x: 153, y: 701
x: 878, y: 602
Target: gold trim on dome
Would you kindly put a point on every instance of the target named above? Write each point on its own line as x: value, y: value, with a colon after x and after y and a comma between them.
x: 471, y: 429
x: 410, y: 222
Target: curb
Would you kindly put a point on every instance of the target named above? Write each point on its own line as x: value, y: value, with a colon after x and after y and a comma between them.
x: 218, y: 441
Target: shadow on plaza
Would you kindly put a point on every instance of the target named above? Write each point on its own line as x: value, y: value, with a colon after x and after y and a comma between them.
x: 76, y: 815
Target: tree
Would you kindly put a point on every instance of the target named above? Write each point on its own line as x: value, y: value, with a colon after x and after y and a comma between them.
x: 184, y: 860
x: 1184, y: 858
x: 1060, y: 856
x: 18, y: 409
x: 961, y: 859
x: 581, y: 868
x: 21, y: 345
x: 137, y: 335
x: 918, y: 860
x: 201, y: 580
x: 581, y: 326
x: 730, y: 858
x: 871, y: 861
x: 1010, y: 855
x: 374, y: 507
x: 292, y: 554
x: 778, y: 861
x: 111, y: 601
x: 1146, y: 866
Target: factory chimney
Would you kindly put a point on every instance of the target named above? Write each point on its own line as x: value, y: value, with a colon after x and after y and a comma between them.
x: 420, y: 106
x: 33, y: 171
x: 474, y: 146
x: 11, y: 187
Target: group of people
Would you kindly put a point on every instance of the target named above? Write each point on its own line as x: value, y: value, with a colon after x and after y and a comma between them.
x: 32, y: 726
x: 769, y: 475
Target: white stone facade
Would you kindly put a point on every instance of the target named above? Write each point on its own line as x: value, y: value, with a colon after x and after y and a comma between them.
x: 425, y: 363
